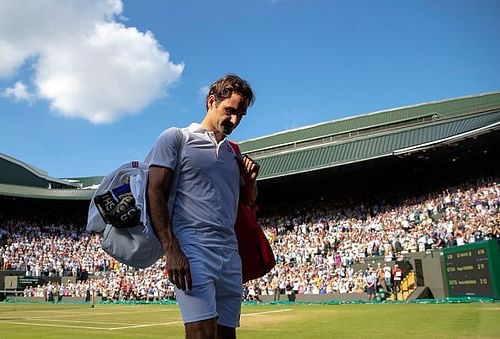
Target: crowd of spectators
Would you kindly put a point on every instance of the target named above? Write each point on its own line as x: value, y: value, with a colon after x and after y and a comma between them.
x: 316, y: 246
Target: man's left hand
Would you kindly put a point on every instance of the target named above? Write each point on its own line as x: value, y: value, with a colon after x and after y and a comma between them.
x: 250, y: 167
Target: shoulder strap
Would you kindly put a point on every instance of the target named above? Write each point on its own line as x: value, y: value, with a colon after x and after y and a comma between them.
x: 245, y: 193
x: 236, y: 148
x: 180, y: 141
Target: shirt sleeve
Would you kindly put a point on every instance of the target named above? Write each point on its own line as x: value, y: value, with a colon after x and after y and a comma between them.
x: 164, y: 151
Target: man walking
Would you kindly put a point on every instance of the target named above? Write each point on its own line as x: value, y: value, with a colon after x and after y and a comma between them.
x: 199, y: 241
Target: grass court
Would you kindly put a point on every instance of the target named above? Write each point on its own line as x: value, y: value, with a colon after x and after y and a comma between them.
x: 468, y: 320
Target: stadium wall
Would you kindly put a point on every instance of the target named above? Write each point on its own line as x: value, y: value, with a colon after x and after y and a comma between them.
x: 317, y: 298
x: 432, y: 273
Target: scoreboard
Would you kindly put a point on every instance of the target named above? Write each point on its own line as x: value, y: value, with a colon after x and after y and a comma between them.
x: 473, y: 269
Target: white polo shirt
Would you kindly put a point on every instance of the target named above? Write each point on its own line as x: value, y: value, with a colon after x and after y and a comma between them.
x: 208, y: 186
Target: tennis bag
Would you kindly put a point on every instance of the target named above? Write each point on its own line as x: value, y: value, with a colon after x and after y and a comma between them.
x: 118, y: 210
x: 257, y: 257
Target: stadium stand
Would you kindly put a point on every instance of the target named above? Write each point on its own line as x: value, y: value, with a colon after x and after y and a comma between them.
x: 316, y: 248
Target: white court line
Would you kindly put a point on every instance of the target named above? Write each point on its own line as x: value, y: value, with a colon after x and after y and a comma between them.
x: 91, y: 312
x: 124, y: 327
x: 267, y: 312
x: 88, y: 327
x: 144, y: 325
x: 52, y: 325
x: 76, y: 321
x: 178, y: 322
x: 130, y: 312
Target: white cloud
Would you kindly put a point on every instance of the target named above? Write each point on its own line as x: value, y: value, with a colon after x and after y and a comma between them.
x: 204, y: 91
x: 18, y: 92
x: 87, y: 65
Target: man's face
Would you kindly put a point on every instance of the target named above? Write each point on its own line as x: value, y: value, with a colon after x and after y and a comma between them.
x: 225, y: 116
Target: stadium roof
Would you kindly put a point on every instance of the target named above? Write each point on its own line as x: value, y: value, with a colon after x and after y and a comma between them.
x: 380, y: 134
x: 374, y: 135
x: 45, y: 193
x: 17, y: 172
x: 393, y: 118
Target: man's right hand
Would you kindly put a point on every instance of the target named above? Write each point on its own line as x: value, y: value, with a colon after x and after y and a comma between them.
x: 177, y: 267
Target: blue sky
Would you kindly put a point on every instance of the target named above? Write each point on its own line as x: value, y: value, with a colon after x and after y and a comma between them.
x: 86, y: 85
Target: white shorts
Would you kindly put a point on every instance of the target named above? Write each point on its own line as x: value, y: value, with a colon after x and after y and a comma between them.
x: 217, y: 288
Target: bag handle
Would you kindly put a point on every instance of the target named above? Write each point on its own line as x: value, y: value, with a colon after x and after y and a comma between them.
x: 245, y: 197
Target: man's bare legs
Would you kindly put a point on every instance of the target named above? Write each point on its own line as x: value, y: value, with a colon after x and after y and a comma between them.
x: 208, y: 329
x: 224, y: 332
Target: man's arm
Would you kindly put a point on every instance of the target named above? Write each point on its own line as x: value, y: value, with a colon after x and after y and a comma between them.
x: 176, y: 263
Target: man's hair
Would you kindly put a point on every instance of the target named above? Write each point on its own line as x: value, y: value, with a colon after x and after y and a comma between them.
x: 224, y: 87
